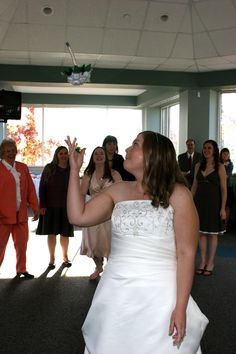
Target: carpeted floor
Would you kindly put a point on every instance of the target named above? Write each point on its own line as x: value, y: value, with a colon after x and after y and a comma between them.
x: 45, y: 315
x: 216, y: 296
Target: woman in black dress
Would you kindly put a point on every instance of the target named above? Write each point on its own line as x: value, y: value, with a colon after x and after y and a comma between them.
x: 210, y: 193
x: 226, y: 161
x: 52, y: 197
x: 116, y: 160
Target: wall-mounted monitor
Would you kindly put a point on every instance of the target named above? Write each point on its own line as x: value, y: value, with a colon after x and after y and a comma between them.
x: 10, y: 105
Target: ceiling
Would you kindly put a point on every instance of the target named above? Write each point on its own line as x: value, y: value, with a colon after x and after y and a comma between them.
x: 191, y: 36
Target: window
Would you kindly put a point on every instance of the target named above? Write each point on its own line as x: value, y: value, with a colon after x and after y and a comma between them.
x: 227, y: 124
x: 170, y: 124
x: 43, y: 128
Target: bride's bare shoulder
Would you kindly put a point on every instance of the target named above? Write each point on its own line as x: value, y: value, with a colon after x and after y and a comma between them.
x: 122, y: 190
x: 181, y: 196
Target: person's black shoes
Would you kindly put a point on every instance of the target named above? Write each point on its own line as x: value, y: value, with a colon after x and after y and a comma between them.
x: 25, y: 275
x: 67, y: 264
x: 51, y: 266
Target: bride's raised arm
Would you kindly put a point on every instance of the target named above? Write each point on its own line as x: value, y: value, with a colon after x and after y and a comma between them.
x: 98, y: 209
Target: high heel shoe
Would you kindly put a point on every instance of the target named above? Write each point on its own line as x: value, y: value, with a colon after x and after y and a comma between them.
x: 67, y: 264
x: 51, y: 266
x: 95, y: 274
x: 207, y: 272
x: 200, y: 271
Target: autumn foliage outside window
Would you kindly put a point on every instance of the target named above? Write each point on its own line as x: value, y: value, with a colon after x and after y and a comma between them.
x: 31, y: 148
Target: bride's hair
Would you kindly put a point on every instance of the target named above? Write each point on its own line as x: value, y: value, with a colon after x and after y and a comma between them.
x: 161, y: 170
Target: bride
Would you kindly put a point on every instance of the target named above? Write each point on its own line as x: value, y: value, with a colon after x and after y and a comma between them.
x: 142, y: 304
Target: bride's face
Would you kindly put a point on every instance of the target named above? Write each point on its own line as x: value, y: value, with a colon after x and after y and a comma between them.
x: 134, y: 156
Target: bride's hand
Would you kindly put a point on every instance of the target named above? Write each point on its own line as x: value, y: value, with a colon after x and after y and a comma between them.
x: 76, y: 159
x: 177, y: 326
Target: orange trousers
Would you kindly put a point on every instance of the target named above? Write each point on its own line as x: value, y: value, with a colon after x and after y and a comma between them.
x: 20, y: 235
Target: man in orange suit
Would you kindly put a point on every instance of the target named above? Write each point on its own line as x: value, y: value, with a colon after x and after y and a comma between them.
x: 17, y: 193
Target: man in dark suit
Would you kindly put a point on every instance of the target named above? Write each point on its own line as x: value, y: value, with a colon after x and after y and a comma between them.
x: 188, y: 160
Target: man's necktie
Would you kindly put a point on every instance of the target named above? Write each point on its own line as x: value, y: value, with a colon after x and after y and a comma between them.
x: 190, y: 161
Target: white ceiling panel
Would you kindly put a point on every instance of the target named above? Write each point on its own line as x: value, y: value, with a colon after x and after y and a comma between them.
x: 36, y: 15
x: 126, y: 14
x: 52, y: 59
x: 3, y: 30
x: 7, y: 10
x: 14, y: 57
x: 217, y: 14
x: 16, y: 38
x: 85, y: 39
x: 194, y: 36
x: 203, y: 46
x: 175, y: 14
x: 157, y: 44
x: 86, y: 13
x: 225, y: 41
x: 129, y: 28
x: 181, y: 64
x: 120, y: 42
x: 45, y: 38
x: 20, y: 11
x: 183, y: 47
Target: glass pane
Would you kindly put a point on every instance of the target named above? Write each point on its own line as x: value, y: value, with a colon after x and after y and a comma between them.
x: 174, y: 126
x: 41, y: 130
x: 228, y: 124
x: 90, y: 126
x: 28, y: 135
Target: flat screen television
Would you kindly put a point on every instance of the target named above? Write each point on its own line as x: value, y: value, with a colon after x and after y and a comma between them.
x: 10, y: 105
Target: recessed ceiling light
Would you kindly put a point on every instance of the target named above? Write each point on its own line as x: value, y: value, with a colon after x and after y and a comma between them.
x: 47, y: 10
x: 164, y: 17
x: 126, y: 16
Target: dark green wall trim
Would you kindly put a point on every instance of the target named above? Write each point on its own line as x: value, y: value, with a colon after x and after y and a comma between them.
x: 213, y: 79
x: 33, y: 73
x: 93, y: 100
x: 158, y: 85
x: 142, y: 77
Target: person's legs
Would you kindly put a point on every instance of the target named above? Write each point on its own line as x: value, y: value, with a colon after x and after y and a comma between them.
x: 20, y: 235
x: 64, y: 241
x: 99, y: 267
x: 203, y: 253
x: 5, y: 231
x: 227, y: 217
x: 213, y: 242
x: 51, y: 247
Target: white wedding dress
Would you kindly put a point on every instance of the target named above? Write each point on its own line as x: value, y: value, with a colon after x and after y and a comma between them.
x: 132, y: 306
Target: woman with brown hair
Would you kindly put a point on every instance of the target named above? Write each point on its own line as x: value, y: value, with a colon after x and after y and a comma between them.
x: 210, y: 193
x: 96, y: 240
x: 52, y: 197
x: 142, y: 303
x: 115, y: 160
x: 229, y: 167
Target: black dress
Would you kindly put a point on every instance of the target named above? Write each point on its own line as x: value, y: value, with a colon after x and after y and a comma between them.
x: 52, y: 196
x: 208, y: 203
x: 117, y: 164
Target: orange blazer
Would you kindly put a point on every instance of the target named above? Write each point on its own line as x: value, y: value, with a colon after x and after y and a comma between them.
x: 8, y: 213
